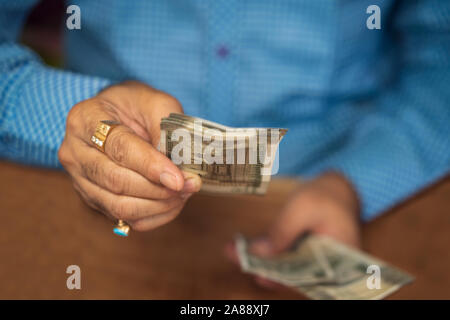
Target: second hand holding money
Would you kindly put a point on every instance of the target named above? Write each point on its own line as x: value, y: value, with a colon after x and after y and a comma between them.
x: 325, y: 205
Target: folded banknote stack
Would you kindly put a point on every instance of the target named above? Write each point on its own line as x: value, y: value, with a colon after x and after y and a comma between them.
x: 228, y: 160
x: 323, y: 269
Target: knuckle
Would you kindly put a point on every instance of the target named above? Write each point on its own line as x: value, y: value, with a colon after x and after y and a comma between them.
x: 63, y: 155
x: 306, y: 198
x: 103, y: 104
x: 136, y: 84
x: 91, y: 170
x: 125, y: 209
x: 147, y: 162
x: 311, y: 199
x: 168, y: 101
x: 118, y: 145
x: 116, y: 181
x: 73, y: 117
x: 67, y: 159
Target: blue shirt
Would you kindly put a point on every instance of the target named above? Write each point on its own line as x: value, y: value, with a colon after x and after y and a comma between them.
x: 371, y: 104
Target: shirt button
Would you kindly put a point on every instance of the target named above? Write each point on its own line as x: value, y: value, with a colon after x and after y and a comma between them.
x: 222, y: 51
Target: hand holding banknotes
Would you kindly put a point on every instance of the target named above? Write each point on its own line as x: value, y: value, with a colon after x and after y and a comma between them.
x: 131, y: 180
x: 325, y: 205
x: 312, y: 246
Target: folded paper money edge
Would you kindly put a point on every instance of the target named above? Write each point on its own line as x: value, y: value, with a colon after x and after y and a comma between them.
x: 300, y: 270
x: 228, y: 176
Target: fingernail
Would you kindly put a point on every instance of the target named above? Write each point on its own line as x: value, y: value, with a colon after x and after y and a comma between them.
x: 190, y: 185
x: 261, y: 247
x: 169, y: 180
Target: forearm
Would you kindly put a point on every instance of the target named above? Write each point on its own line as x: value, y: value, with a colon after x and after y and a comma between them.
x: 34, y: 103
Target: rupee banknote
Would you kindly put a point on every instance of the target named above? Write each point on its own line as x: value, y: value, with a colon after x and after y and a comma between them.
x: 228, y: 160
x: 324, y: 269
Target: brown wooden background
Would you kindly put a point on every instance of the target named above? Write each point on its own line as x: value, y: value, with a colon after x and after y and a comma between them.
x: 45, y: 227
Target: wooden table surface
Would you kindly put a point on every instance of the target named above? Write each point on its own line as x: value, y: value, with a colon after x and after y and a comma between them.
x: 46, y: 227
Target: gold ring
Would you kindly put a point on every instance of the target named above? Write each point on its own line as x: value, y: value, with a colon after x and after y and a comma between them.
x: 102, y: 131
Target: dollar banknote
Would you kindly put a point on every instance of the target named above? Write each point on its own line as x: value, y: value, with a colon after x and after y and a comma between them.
x: 322, y: 268
x: 228, y: 160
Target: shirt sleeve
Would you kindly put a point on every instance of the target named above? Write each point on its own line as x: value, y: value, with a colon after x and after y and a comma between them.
x: 404, y: 143
x: 34, y: 98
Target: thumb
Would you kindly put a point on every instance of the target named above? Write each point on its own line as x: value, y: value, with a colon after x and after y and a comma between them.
x: 192, y: 182
x: 281, y: 236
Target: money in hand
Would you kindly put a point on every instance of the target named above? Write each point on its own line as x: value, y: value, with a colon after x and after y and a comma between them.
x: 322, y: 268
x: 228, y: 160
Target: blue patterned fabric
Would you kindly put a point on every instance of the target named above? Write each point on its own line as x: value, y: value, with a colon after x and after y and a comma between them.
x: 372, y: 104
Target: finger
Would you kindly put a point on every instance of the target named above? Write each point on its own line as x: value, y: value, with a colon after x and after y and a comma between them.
x: 231, y: 252
x: 150, y: 105
x: 100, y: 170
x: 126, y: 148
x: 153, y: 222
x: 90, y: 201
x: 124, y: 207
x: 132, y: 152
x: 153, y: 106
x: 192, y: 182
x: 289, y: 226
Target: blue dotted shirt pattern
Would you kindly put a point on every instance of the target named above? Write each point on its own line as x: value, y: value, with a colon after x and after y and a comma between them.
x: 371, y: 104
